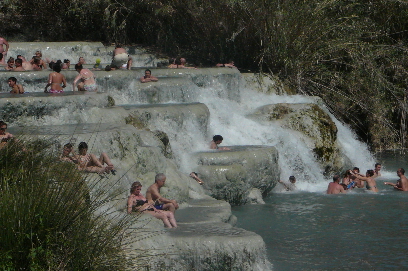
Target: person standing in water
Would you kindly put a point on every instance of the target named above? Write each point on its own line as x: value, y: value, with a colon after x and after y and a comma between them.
x: 335, y: 187
x: 55, y: 79
x: 402, y: 183
x: 369, y: 178
x: 291, y: 186
x: 87, y: 79
x: 377, y: 168
x: 217, y: 140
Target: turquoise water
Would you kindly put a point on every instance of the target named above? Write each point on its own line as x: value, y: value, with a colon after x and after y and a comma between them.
x: 315, y: 231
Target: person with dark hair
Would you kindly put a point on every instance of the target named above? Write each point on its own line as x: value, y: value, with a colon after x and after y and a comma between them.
x: 86, y: 78
x: 377, y: 168
x: 66, y: 154
x: 19, y: 65
x: 15, y: 88
x: 37, y: 62
x: 291, y: 186
x: 402, y: 183
x: 89, y: 163
x: 217, y: 140
x: 153, y: 195
x: 148, y: 77
x: 335, y: 187
x: 120, y: 58
x: 138, y: 203
x: 10, y: 64
x: 369, y: 178
x: 55, y: 79
x: 26, y: 65
x: 66, y: 64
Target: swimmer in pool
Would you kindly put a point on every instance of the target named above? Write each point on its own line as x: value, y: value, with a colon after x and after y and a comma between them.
x: 15, y: 88
x: 217, y: 140
x: 291, y: 186
x: 402, y: 183
x: 86, y: 78
x: 55, y: 79
x: 369, y: 178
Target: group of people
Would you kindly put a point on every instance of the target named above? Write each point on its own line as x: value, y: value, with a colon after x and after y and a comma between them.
x: 353, y: 179
x: 87, y: 162
x: 153, y: 204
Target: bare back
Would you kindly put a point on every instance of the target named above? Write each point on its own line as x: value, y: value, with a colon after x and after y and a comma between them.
x: 335, y: 188
x: 55, y: 79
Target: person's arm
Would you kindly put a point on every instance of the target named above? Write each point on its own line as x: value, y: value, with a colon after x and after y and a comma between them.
x: 79, y: 76
x: 20, y: 89
x: 49, y: 83
x: 342, y: 189
x: 153, y: 79
x: 282, y: 183
x: 360, y: 176
x: 43, y: 64
x: 144, y: 80
x: 129, y: 205
x: 64, y: 82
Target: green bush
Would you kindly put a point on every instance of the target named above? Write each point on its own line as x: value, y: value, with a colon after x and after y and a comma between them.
x: 49, y: 220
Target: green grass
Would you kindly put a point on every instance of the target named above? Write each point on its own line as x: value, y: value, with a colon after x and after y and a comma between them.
x: 49, y: 219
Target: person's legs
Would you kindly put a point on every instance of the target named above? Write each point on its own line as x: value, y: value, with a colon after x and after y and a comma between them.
x: 170, y: 207
x: 162, y: 216
x: 104, y: 159
x: 171, y: 218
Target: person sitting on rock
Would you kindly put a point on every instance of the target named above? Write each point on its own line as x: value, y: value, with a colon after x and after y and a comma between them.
x: 86, y: 79
x: 15, y: 88
x: 148, y: 77
x: 153, y: 195
x: 217, y: 140
x: 291, y: 186
x: 138, y: 203
x: 89, y: 163
x: 66, y: 154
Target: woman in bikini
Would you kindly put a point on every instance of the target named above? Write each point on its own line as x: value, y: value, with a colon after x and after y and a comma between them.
x: 55, y: 79
x: 89, y: 163
x: 87, y: 79
x: 138, y: 203
x: 371, y: 185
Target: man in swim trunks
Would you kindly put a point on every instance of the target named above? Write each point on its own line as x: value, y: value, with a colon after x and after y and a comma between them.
x: 87, y: 79
x: 121, y: 58
x: 217, y: 140
x: 402, y: 183
x: 153, y: 195
x: 15, y: 88
x: 335, y: 187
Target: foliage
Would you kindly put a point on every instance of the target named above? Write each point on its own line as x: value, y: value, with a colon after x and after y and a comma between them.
x: 351, y: 53
x: 49, y: 221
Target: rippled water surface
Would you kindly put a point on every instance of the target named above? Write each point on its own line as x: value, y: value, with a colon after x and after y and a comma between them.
x: 315, y: 231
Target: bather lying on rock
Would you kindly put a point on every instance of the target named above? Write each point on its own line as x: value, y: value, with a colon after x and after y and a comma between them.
x: 194, y: 175
x: 88, y: 162
x: 138, y: 203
